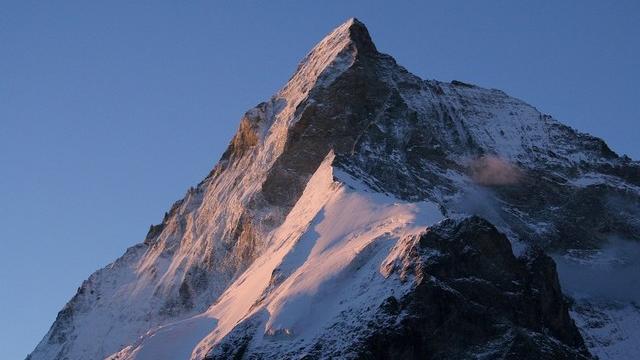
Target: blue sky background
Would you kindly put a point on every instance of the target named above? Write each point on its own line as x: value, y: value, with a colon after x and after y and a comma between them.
x: 110, y: 110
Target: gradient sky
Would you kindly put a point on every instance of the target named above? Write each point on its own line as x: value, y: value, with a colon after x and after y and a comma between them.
x: 110, y: 110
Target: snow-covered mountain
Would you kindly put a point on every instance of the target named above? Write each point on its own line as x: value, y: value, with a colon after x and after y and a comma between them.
x: 363, y: 212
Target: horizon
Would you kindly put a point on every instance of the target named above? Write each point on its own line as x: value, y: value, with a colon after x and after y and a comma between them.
x: 110, y: 114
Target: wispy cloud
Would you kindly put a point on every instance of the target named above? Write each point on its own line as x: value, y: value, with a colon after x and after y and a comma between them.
x: 493, y: 170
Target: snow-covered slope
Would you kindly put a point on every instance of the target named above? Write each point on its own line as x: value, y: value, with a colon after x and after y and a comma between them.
x: 206, y: 239
x: 324, y: 260
x: 326, y: 185
x: 343, y: 253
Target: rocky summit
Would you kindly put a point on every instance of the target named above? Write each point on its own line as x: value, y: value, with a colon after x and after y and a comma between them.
x: 365, y: 213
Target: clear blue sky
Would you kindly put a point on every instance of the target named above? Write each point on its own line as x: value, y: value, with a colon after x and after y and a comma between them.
x: 110, y: 110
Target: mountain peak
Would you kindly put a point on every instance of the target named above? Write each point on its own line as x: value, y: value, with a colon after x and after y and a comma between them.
x: 312, y: 227
x: 355, y: 32
x: 328, y: 59
x: 351, y: 38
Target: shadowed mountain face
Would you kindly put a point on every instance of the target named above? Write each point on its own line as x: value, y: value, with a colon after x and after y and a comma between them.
x: 329, y: 187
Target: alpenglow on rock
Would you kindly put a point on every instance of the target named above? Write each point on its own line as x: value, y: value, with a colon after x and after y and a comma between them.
x: 365, y: 213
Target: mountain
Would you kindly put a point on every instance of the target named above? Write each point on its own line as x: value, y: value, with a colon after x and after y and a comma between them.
x: 363, y: 212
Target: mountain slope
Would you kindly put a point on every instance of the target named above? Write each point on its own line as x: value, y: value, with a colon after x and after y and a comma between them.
x: 200, y: 246
x: 323, y: 187
x: 346, y: 256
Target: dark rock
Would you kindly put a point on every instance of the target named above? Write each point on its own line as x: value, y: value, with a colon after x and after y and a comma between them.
x: 474, y: 296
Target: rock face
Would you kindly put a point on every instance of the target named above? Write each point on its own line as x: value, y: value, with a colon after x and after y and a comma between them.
x: 473, y: 296
x: 261, y: 259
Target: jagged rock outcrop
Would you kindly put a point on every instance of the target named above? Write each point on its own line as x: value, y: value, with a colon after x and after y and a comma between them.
x: 473, y: 296
x: 317, y: 194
